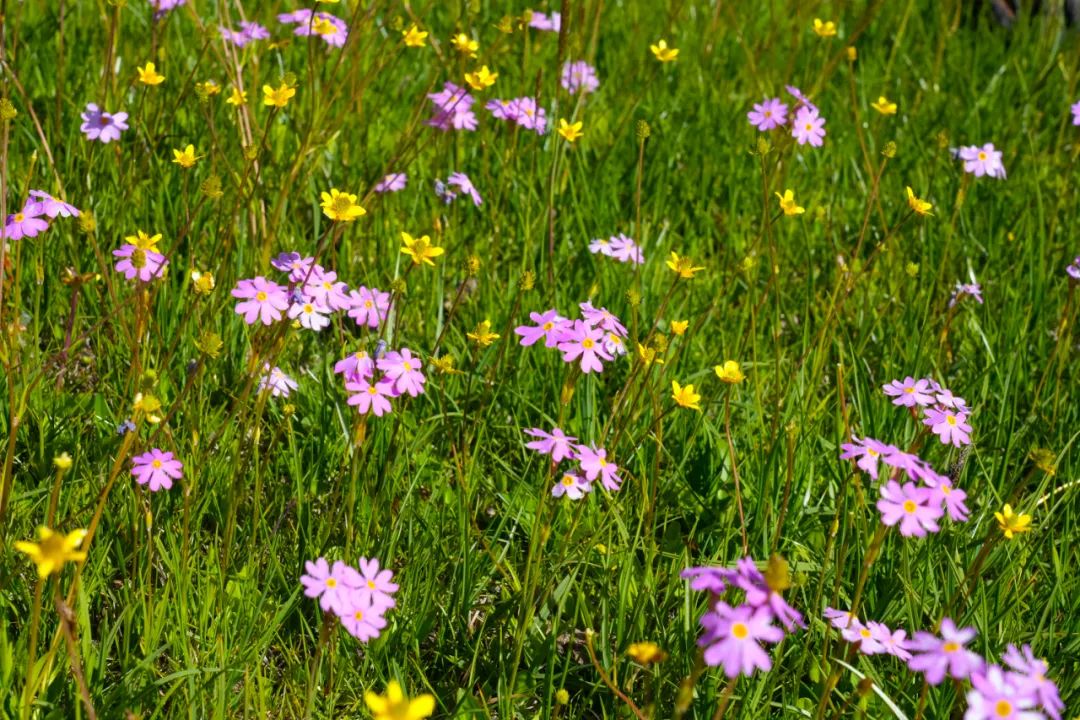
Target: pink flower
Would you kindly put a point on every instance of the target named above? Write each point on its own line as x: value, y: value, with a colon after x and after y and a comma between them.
x: 368, y: 306
x: 893, y: 642
x: 572, y: 486
x: 363, y: 619
x: 556, y: 444
x: 587, y: 343
x: 856, y: 632
x: 503, y: 109
x: 547, y: 23
x: 949, y: 426
x: 138, y: 263
x: 157, y: 469
x: 624, y: 249
x: 993, y: 696
x: 276, y: 381
x: 868, y: 451
x: 910, y: 506
x: 53, y: 207
x: 938, y: 656
x: 1029, y: 675
x: 102, y: 126
x: 453, y: 109
x: 603, y: 318
x: 808, y: 127
x: 328, y: 584
x: 731, y: 638
x: 298, y: 267
x: 910, y: 392
x: 594, y: 464
x: 369, y: 397
x: 374, y: 585
x: 324, y: 289
x: 800, y: 99
x: 392, y: 183
x: 549, y: 325
x: 942, y: 493
x: 578, y: 77
x: 1076, y: 113
x: 403, y: 369
x: 461, y: 181
x: 263, y: 300
x: 305, y: 26
x: 840, y: 619
x: 530, y: 116
x: 359, y: 364
x: 309, y: 315
x: 768, y: 114
x: 983, y: 160
x: 26, y: 223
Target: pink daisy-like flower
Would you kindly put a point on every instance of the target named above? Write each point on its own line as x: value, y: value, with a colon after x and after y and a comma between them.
x: 993, y: 696
x: 368, y: 306
x: 1028, y: 674
x: 594, y: 464
x: 276, y: 381
x: 731, y: 638
x: 603, y: 318
x: 908, y: 505
x: 248, y: 33
x: 841, y: 619
x: 587, y: 343
x: 392, y: 183
x: 549, y: 325
x: 800, y: 99
x: 453, y: 109
x: 893, y: 642
x: 864, y: 636
x: 910, y: 392
x: 157, y: 469
x: 462, y: 182
x: 404, y: 370
x: 983, y: 160
x: 768, y: 114
x: 625, y: 249
x: 145, y: 265
x: 309, y: 315
x: 579, y: 77
x: 52, y: 207
x: 530, y: 116
x: 547, y: 23
x: 363, y: 620
x: 262, y: 300
x: 26, y: 223
x: 359, y: 364
x: 950, y: 426
x: 374, y: 584
x: 600, y: 246
x: 942, y: 493
x: 299, y: 268
x: 502, y: 109
x: 102, y: 126
x: 808, y: 127
x: 324, y: 289
x: 868, y: 451
x: 328, y: 585
x: 937, y: 656
x: 557, y: 444
x: 338, y: 30
x: 572, y: 486
x: 369, y: 397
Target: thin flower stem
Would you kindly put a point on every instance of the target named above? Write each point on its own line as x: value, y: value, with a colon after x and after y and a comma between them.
x: 725, y: 698
x: 35, y: 618
x: 607, y: 678
x: 735, y: 471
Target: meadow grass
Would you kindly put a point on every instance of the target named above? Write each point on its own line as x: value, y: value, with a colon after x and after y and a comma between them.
x: 189, y: 602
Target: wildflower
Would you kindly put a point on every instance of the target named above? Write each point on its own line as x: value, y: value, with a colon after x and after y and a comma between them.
x: 331, y: 29
x: 462, y: 182
x: 684, y: 396
x: 858, y: 633
x: 684, y: 266
x: 148, y: 406
x: 309, y: 315
x: 207, y: 89
x: 557, y: 444
x: 868, y: 451
x: 908, y: 505
x: 374, y: 584
x: 910, y: 392
x: 392, y: 183
x: 403, y: 369
x: 981, y: 161
x: 802, y: 100
x: 453, y: 109
x: 481, y: 79
x: 570, y: 131
x: 325, y: 290
x: 237, y: 97
x: 892, y: 642
x: 679, y: 327
x: 731, y: 638
x: 482, y: 334
x: 414, y: 37
x: 157, y: 469
x: 1076, y: 113
x: 340, y: 207
x: 581, y: 340
x: 549, y: 325
x: 102, y: 126
x: 788, y: 204
x: 729, y: 372
x: 625, y: 249
x: 917, y: 205
x: 663, y: 53
x: 62, y: 461
x: 594, y: 463
x: 263, y: 300
x: 562, y: 697
x: 579, y: 77
x: 26, y: 223
x: 395, y: 706
x: 809, y: 127
x: 1028, y: 674
x: 768, y: 114
x: 993, y: 697
x: 1012, y: 523
x: 503, y: 109
x: 572, y: 486
x: 277, y: 97
x: 368, y: 306
x: 136, y: 262
x: 249, y: 32
x: 148, y: 75
x: 646, y: 653
x: 962, y: 289
x: 824, y: 29
x: 529, y: 115
x: 884, y: 106
x: 1073, y: 270
x: 942, y: 493
x: 51, y: 206
x: 949, y: 426
x: 937, y: 656
x: 53, y: 550
x: 185, y: 158
x: 357, y: 364
x: 327, y: 583
x: 420, y: 249
x: 465, y: 44
x: 540, y: 21
x: 276, y: 381
x: 363, y: 620
x: 603, y: 318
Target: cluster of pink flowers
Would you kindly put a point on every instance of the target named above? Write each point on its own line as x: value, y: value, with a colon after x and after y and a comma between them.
x: 579, y: 77
x: 359, y: 596
x: 598, y: 336
x: 402, y: 372
x: 981, y: 161
x: 463, y: 184
x: 306, y: 25
x: 945, y: 413
x: 620, y: 247
x: 453, y: 109
x: 592, y: 463
x: 807, y: 125
x: 873, y: 638
x: 156, y: 469
x: 249, y: 32
x: 732, y: 636
x: 393, y: 182
x: 523, y: 110
x: 31, y: 220
x: 102, y: 126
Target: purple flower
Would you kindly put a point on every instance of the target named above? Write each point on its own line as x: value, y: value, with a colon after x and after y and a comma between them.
x: 1029, y: 675
x: 893, y: 642
x: 357, y: 365
x: 462, y: 182
x: 276, y: 381
x: 983, y: 160
x: 712, y: 579
x: 768, y: 114
x: 857, y: 633
x: 994, y: 697
x: 625, y: 249
x: 248, y: 32
x: 942, y: 493
x: 330, y: 28
x: 557, y: 444
x: 808, y: 127
x: 52, y: 207
x: 603, y: 318
x: 404, y: 370
x: 840, y: 619
x: 868, y: 451
x: 1074, y: 269
x: 585, y: 342
x: 540, y: 21
x: 163, y: 6
x: 731, y: 638
x: 392, y: 183
x: 503, y: 109
x: 26, y: 223
x: 801, y: 100
x: 908, y: 505
x: 1076, y: 113
x: 368, y: 397
x: 324, y: 289
x: 291, y: 262
x: 579, y: 77
x: 102, y: 126
x: 950, y: 426
x: 363, y: 619
x: 453, y: 109
x: 368, y: 306
x: 157, y: 469
x: 328, y: 584
x: 530, y: 116
x: 374, y: 584
x: 572, y: 486
x: 910, y: 392
x: 549, y: 325
x: 594, y: 464
x: 263, y: 300
x: 962, y: 289
x: 938, y: 656
x: 138, y: 263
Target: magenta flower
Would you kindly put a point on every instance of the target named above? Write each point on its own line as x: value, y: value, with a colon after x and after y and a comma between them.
x: 138, y: 263
x: 587, y: 343
x: 369, y: 397
x: 26, y: 223
x: 248, y: 32
x: 840, y: 619
x: 603, y: 318
x: 752, y: 582
x: 579, y: 77
x: 328, y: 584
x: 910, y: 392
x: 945, y: 397
x: 868, y: 451
x: 1076, y: 113
x: 962, y: 289
x: 983, y: 160
x: 557, y: 444
x: 950, y: 426
x: 993, y: 696
x: 594, y: 464
x: 857, y: 633
x: 942, y: 493
x: 403, y: 369
x: 363, y: 619
x: 392, y: 183
x: 800, y: 99
x: 162, y: 6
x: 102, y: 126
x: 299, y: 268
x: 529, y: 115
x: 549, y: 325
x: 572, y: 486
x: 359, y: 364
x: 893, y: 642
x: 547, y: 23
x: 731, y: 638
x: 276, y: 381
x: 368, y: 306
x: 768, y: 114
x: 157, y: 469
x: 309, y: 315
x: 910, y: 506
x: 712, y: 579
x: 1073, y: 270
x: 463, y: 183
x: 502, y: 109
x: 375, y: 585
x: 453, y: 109
x: 937, y: 656
x: 263, y: 300
x: 323, y: 288
x: 624, y: 249
x: 1028, y: 674
x: 53, y: 207
x: 808, y: 127
x: 305, y: 26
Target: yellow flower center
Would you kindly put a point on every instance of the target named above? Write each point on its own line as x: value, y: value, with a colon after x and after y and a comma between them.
x: 548, y: 326
x: 982, y: 156
x: 359, y: 614
x: 809, y: 126
x: 308, y: 308
x: 19, y: 217
x: 951, y: 419
x: 331, y: 582
x: 910, y: 506
x: 1003, y: 708
x: 407, y: 365
x: 587, y: 343
x: 910, y: 390
x: 567, y: 480
x: 740, y: 631
x: 340, y: 206
x: 156, y: 464
x: 950, y: 647
x: 603, y: 462
x: 371, y: 584
x: 367, y: 304
x: 871, y: 452
x: 865, y: 632
x: 260, y: 296
x: 768, y: 113
x: 371, y: 390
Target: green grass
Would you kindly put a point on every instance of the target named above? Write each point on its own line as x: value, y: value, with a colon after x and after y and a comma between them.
x: 200, y: 614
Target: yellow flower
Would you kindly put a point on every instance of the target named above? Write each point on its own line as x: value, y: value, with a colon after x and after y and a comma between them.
x: 149, y: 406
x: 322, y: 26
x: 445, y: 365
x: 185, y: 158
x: 884, y: 106
x: 684, y: 396
x: 328, y: 2
x: 824, y: 29
x: 62, y: 461
x: 562, y: 696
x: 150, y: 76
x: 481, y: 79
x: 852, y: 53
x: 208, y: 88
x: 570, y: 131
x: 684, y: 266
x: 679, y: 326
x: 465, y: 44
x: 53, y: 551
x: 663, y: 53
x: 237, y: 97
x: 395, y: 706
x: 648, y: 355
x: 920, y: 206
x: 645, y: 653
x: 1011, y: 523
x: 202, y: 282
x: 144, y: 241
x: 420, y: 249
x: 787, y: 203
x: 482, y: 335
x: 277, y: 97
x: 414, y: 37
x: 730, y: 372
x: 341, y: 207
